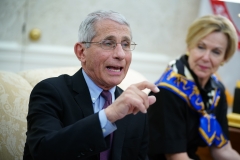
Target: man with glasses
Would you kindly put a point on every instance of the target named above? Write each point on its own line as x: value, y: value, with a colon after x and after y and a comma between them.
x: 87, y: 116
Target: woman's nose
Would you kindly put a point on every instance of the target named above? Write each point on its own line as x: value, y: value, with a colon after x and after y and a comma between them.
x: 206, y: 55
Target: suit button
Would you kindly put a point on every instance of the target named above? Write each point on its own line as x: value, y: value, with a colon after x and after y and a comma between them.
x: 82, y: 153
x: 90, y: 149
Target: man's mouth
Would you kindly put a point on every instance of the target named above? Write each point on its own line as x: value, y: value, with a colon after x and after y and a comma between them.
x: 114, y: 69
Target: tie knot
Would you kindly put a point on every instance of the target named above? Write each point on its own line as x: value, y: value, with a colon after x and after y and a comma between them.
x: 106, y: 95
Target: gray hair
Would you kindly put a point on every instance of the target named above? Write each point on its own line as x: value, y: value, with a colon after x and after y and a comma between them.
x: 87, y: 30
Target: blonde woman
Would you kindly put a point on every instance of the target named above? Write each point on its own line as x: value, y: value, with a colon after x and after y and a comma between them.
x: 191, y: 108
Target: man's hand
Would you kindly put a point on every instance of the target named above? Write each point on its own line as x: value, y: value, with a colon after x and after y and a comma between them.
x: 131, y: 101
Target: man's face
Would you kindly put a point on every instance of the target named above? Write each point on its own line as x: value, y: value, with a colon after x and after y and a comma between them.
x: 107, y: 68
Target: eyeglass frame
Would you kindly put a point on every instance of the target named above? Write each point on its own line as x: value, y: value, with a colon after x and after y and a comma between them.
x: 101, y: 42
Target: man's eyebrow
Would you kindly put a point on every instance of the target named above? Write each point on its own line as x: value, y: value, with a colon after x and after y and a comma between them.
x: 109, y: 37
x: 113, y: 38
x: 126, y: 38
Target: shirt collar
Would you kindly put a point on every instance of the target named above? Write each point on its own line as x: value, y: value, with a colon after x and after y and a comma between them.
x: 94, y: 90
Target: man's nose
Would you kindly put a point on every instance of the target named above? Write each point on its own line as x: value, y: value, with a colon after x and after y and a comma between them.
x: 119, y: 52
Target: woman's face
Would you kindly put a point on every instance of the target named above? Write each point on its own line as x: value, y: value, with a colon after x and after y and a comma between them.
x: 207, y: 56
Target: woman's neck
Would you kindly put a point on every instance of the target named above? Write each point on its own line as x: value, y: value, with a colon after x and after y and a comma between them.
x: 202, y: 82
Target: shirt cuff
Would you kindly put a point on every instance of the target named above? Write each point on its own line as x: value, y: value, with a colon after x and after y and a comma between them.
x: 106, y: 125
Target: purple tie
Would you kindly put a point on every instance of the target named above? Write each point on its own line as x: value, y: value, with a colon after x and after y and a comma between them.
x: 108, y: 100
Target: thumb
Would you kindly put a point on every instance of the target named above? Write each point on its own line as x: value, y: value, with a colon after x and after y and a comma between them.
x: 151, y: 99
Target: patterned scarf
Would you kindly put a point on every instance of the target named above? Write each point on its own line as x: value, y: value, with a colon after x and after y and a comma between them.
x: 185, y: 87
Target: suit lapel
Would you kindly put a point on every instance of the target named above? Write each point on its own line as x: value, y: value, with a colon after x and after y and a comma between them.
x: 83, y: 97
x: 119, y: 134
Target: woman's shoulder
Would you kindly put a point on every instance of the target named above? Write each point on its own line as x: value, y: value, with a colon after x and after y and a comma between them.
x: 217, y: 83
x: 167, y: 96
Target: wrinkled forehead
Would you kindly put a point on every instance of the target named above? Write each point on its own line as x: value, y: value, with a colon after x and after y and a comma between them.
x: 109, y: 29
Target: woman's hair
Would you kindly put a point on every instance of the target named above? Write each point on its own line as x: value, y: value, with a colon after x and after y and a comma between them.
x: 87, y: 29
x: 205, y: 25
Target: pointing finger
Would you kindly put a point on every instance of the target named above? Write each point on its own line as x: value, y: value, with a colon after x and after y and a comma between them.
x: 145, y: 84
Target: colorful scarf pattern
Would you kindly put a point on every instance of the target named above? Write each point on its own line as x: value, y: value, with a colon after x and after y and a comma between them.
x: 209, y: 128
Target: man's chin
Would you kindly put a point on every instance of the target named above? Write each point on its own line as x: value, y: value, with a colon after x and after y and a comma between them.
x: 116, y: 82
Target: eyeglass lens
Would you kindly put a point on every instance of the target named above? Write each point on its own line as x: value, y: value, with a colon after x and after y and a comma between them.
x: 110, y: 44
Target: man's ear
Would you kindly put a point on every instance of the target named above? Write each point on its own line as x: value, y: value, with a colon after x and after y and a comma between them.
x: 79, y: 50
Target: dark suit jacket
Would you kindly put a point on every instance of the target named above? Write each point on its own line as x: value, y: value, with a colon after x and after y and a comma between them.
x: 62, y: 124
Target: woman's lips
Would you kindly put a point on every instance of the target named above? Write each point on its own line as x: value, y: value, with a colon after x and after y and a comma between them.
x: 203, y: 67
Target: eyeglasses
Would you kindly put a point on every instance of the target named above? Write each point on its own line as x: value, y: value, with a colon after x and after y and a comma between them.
x: 111, y: 44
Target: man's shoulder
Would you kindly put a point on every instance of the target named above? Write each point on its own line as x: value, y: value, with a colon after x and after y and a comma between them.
x: 58, y: 78
x: 61, y: 80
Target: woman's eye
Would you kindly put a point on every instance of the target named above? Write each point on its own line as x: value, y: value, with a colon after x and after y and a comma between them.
x: 216, y: 52
x: 200, y: 47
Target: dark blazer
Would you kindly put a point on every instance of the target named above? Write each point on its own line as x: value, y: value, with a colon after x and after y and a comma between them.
x: 62, y: 124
